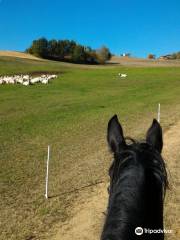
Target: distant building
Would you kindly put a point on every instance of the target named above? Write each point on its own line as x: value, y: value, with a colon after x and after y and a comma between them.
x: 126, y: 55
x: 166, y: 57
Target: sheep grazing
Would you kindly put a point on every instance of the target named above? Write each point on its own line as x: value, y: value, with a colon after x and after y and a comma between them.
x: 122, y: 75
x: 35, y: 80
x: 53, y: 76
x: 8, y: 80
x: 26, y: 83
x: 26, y: 77
x: 26, y: 80
x: 19, y: 80
x: 45, y: 81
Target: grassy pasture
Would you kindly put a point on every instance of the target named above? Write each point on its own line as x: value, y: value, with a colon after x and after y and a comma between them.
x: 71, y: 115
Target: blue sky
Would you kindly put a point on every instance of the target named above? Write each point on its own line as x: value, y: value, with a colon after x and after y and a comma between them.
x: 136, y: 26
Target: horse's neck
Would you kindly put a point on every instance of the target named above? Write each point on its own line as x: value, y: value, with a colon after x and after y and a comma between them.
x: 125, y: 210
x: 134, y: 203
x: 154, y: 204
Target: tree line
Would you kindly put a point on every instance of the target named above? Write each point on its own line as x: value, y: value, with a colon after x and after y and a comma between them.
x: 176, y: 55
x: 69, y: 51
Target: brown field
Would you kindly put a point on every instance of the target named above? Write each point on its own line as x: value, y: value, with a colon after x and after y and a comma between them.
x: 142, y: 62
x: 115, y: 60
x: 18, y: 55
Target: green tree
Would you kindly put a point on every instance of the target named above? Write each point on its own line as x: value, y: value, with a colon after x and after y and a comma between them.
x: 79, y: 54
x: 39, y: 47
x: 103, y: 55
x: 52, y: 46
x: 67, y: 50
x: 91, y: 57
x: 178, y: 55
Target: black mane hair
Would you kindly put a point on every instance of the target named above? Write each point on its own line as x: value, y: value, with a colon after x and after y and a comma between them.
x: 138, y: 181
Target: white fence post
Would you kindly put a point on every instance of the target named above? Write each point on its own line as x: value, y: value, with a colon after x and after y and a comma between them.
x: 47, y: 172
x: 159, y: 112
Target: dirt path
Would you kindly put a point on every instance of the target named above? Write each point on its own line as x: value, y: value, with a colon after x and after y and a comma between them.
x: 172, y: 157
x: 87, y: 220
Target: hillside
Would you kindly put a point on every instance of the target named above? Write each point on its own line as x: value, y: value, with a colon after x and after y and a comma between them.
x: 18, y: 55
x: 115, y: 60
x: 70, y: 114
x: 142, y: 62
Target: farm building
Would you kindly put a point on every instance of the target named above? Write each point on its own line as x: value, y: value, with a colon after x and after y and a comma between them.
x: 126, y: 55
x: 166, y: 57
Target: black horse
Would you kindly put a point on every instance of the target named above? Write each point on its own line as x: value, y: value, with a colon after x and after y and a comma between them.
x: 138, y: 181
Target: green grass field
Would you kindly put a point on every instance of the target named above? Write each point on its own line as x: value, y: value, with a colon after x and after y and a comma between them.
x: 71, y: 115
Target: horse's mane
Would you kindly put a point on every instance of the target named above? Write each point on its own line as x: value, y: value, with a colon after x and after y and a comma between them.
x: 138, y: 182
x: 150, y: 160
x: 137, y: 173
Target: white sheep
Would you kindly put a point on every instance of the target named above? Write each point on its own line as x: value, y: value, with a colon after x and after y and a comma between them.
x: 45, y: 81
x: 122, y: 75
x: 26, y: 83
x: 35, y: 80
x: 26, y: 79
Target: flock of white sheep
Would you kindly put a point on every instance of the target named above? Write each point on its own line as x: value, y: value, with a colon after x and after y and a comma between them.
x: 29, y: 80
x: 26, y: 79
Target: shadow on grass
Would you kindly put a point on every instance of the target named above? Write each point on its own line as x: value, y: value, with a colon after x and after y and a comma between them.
x: 77, y: 189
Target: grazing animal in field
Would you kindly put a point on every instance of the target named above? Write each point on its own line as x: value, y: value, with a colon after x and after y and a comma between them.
x: 26, y: 80
x: 122, y: 75
x: 138, y: 182
x: 35, y: 80
x: 45, y: 81
x: 26, y: 77
x: 26, y: 83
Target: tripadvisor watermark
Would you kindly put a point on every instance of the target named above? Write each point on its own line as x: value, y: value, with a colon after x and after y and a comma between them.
x: 140, y: 231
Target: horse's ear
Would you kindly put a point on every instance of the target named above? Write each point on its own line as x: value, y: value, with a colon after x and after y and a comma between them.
x: 115, y: 136
x: 154, y: 136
